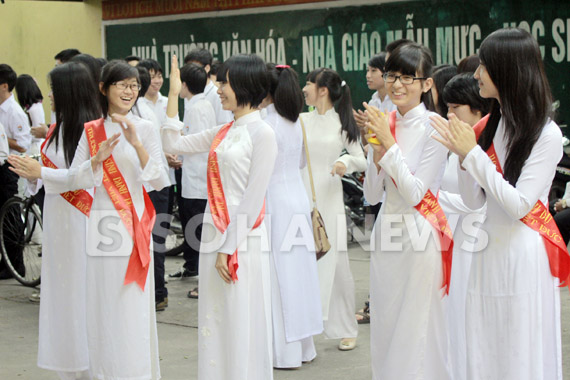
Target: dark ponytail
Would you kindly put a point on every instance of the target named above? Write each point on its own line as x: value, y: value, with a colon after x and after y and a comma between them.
x: 285, y: 91
x: 339, y: 94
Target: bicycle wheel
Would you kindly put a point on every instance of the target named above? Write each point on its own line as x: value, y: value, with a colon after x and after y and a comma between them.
x: 21, y: 239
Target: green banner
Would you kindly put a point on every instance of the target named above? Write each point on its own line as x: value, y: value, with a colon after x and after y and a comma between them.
x: 345, y: 38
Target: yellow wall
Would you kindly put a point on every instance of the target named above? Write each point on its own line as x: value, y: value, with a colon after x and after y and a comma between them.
x: 32, y: 32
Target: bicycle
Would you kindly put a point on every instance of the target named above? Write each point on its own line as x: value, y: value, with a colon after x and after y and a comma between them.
x: 21, y: 237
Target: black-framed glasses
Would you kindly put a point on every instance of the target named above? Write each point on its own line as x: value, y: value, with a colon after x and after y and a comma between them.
x: 123, y: 86
x: 404, y: 79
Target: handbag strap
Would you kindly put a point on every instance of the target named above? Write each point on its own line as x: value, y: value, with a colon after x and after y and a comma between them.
x: 308, y: 161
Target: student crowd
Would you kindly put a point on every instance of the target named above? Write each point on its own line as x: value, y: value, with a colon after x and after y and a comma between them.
x: 460, y: 159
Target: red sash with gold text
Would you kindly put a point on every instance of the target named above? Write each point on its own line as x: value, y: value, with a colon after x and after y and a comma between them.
x: 217, y: 199
x: 116, y: 186
x: 80, y: 199
x: 540, y: 220
x: 430, y: 209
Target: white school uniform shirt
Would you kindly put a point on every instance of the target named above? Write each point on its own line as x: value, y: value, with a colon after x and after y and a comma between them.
x: 37, y: 117
x: 145, y: 112
x: 199, y: 115
x: 159, y: 109
x: 16, y: 123
x: 382, y: 104
x: 211, y: 94
x: 4, y: 148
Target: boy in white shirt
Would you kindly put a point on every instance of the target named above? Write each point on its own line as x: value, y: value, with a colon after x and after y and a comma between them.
x: 199, y: 115
x: 203, y: 57
x: 16, y: 128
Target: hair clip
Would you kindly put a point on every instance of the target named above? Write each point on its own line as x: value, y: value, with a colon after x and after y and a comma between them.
x: 282, y: 66
x: 342, y: 84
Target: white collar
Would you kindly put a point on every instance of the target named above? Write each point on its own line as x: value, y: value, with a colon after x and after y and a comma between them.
x: 7, y: 103
x: 250, y: 117
x: 418, y: 110
x: 196, y: 98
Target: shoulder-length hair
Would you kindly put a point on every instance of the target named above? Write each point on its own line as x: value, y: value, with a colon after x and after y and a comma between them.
x: 75, y: 102
x: 28, y: 91
x: 248, y: 79
x: 512, y: 59
x: 413, y: 59
x: 114, y: 71
x: 464, y: 89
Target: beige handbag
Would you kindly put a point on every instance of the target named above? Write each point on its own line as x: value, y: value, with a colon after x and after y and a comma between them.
x: 322, y: 244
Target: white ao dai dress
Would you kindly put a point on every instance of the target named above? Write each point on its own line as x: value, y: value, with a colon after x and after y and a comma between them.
x: 62, y: 342
x: 296, y: 300
x: 513, y: 303
x: 234, y: 320
x: 408, y: 337
x: 121, y: 320
x: 326, y: 142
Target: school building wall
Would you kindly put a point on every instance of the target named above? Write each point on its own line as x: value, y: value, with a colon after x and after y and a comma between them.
x: 34, y: 31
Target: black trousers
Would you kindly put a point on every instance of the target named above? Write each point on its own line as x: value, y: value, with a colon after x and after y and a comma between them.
x: 192, y: 217
x: 160, y: 201
x: 562, y: 220
x: 9, y: 188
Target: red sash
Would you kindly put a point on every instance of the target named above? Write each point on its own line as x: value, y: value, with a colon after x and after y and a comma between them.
x: 430, y: 209
x: 118, y: 191
x: 540, y: 220
x: 217, y: 199
x: 80, y: 199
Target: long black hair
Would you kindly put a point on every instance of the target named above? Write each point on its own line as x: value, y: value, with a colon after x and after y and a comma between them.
x: 92, y: 64
x: 413, y: 59
x: 285, y: 90
x: 339, y: 94
x: 114, y: 71
x: 512, y: 59
x: 75, y: 101
x: 28, y: 91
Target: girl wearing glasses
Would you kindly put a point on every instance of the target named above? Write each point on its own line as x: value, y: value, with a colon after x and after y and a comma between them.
x: 120, y: 314
x: 330, y: 129
x: 508, y: 162
x: 408, y: 334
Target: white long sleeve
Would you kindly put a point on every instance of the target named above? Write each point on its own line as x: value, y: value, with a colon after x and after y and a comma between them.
x: 262, y: 163
x: 413, y: 186
x: 373, y: 181
x: 79, y: 175
x: 173, y: 142
x: 537, y: 173
x: 354, y: 160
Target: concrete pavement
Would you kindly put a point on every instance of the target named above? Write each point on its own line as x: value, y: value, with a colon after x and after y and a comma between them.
x: 177, y: 332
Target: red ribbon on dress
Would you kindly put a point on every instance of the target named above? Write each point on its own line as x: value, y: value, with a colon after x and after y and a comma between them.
x: 217, y: 199
x: 116, y: 186
x: 540, y: 220
x: 430, y: 209
x: 80, y: 199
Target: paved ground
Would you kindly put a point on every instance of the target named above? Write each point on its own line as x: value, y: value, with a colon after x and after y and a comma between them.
x: 177, y: 331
